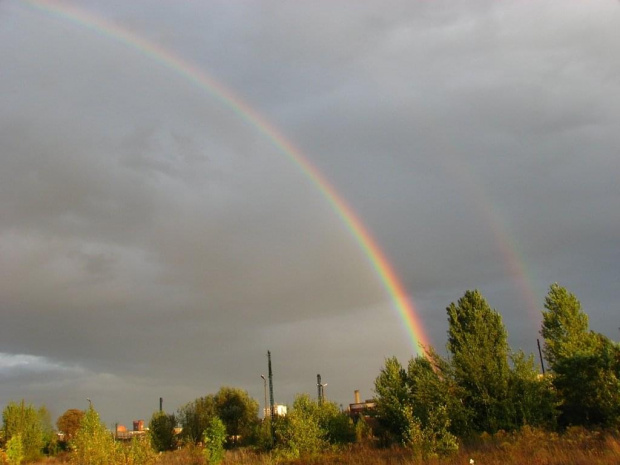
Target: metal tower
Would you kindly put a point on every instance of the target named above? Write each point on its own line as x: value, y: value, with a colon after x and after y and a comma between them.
x: 272, y: 405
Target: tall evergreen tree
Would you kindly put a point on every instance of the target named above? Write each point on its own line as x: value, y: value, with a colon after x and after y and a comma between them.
x: 585, y: 364
x: 392, y: 398
x: 478, y: 344
x: 565, y: 325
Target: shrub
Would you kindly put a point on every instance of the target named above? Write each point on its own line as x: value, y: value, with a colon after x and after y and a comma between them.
x: 15, y: 450
x: 214, y: 438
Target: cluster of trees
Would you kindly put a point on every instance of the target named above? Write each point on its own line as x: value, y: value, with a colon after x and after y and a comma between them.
x: 310, y: 428
x: 27, y: 435
x: 232, y: 414
x: 26, y: 432
x: 234, y: 407
x: 226, y: 419
x: 428, y: 406
x: 484, y: 386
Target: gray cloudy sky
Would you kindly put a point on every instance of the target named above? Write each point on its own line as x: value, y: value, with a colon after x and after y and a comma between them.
x: 152, y: 243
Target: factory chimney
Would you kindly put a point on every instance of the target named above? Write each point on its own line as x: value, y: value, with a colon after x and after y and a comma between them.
x: 357, y: 396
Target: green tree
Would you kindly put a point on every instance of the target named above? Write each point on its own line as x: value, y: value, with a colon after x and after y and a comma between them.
x: 338, y: 425
x: 478, y: 344
x: 426, y: 389
x: 534, y: 401
x: 69, y: 422
x: 430, y: 440
x: 392, y: 398
x: 139, y: 451
x: 50, y: 439
x: 588, y: 383
x: 195, y: 416
x: 263, y: 438
x: 565, y: 325
x: 239, y: 412
x: 300, y: 434
x: 27, y: 422
x: 161, y: 430
x: 15, y: 450
x: 214, y: 438
x: 433, y: 390
x: 414, y: 405
x: 93, y: 444
x: 585, y: 365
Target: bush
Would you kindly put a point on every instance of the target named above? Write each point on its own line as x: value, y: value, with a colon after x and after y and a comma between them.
x: 214, y: 438
x: 161, y: 430
x: 15, y: 450
x: 93, y: 444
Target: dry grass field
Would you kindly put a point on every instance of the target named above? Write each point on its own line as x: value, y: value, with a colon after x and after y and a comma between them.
x: 533, y: 447
x: 577, y: 446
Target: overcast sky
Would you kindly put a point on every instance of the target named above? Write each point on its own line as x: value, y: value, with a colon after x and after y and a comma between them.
x: 155, y: 244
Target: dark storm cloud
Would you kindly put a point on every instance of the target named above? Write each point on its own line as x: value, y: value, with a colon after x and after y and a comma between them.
x: 153, y: 243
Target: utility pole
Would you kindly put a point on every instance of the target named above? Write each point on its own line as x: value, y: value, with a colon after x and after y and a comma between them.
x: 271, y: 402
x: 319, y: 388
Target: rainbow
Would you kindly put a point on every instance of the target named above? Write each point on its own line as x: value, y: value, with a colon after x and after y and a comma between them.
x: 197, y: 76
x: 512, y: 260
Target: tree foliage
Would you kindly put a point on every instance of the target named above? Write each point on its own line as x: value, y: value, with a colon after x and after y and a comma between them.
x: 565, y: 326
x: 392, y: 398
x: 69, y: 422
x: 585, y: 365
x: 214, y: 437
x: 195, y: 416
x: 482, y: 387
x: 414, y: 406
x: 311, y: 427
x: 533, y: 399
x: 161, y: 430
x: 237, y: 410
x: 477, y: 342
x: 300, y: 433
x: 15, y: 450
x: 239, y: 413
x: 93, y: 444
x: 30, y: 424
x: 139, y: 451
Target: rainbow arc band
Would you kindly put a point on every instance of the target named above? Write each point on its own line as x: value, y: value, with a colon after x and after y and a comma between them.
x: 200, y: 78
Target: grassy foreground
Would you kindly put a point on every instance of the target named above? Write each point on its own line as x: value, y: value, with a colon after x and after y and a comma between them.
x: 577, y: 446
x: 533, y: 447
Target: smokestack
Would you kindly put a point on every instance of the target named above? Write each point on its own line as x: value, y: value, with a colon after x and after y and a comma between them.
x: 357, y: 396
x: 161, y: 404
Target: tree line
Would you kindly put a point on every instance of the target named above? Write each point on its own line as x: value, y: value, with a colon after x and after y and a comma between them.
x: 430, y: 406
x: 483, y: 386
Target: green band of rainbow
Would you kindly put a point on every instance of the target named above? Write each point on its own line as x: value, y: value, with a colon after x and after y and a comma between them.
x: 375, y: 256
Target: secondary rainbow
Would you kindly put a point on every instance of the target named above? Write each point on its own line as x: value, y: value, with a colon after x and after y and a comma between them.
x: 366, y: 242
